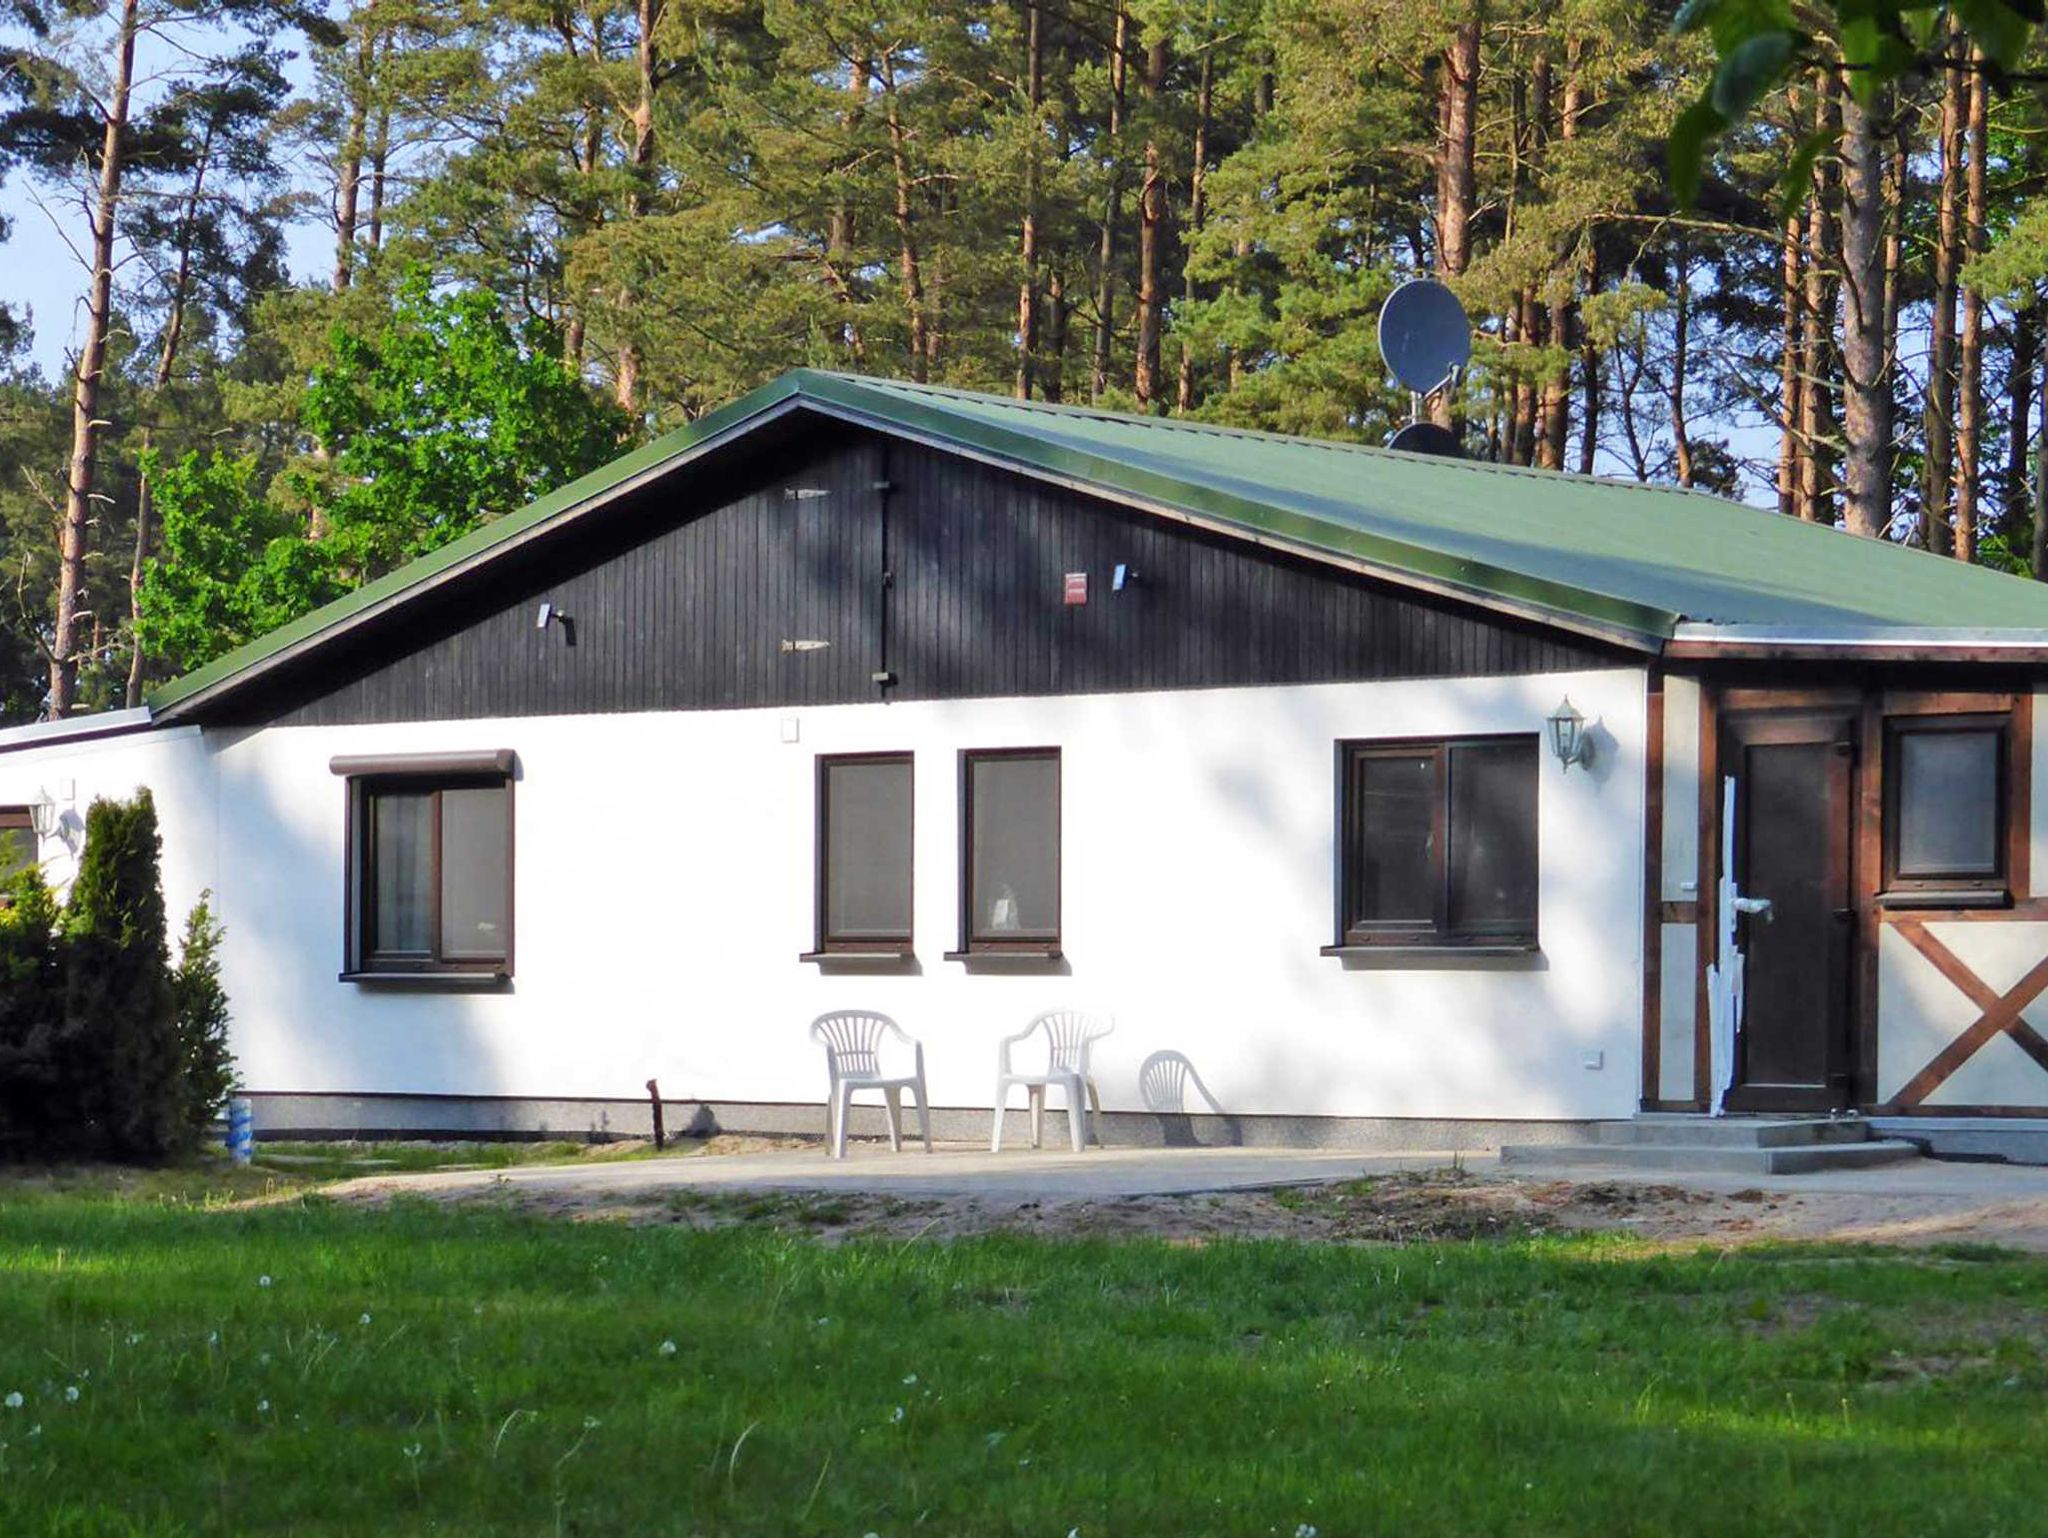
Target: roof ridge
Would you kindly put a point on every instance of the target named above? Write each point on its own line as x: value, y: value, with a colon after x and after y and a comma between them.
x: 1266, y: 435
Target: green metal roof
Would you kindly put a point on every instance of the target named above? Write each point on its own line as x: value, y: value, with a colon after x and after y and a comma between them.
x: 1611, y: 558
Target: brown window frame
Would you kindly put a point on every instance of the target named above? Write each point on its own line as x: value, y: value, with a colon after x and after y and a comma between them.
x: 449, y: 772
x: 1354, y: 933
x: 1948, y: 888
x: 974, y: 944
x: 827, y: 943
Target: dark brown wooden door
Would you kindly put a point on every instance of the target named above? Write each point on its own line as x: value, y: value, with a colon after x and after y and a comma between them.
x: 1793, y: 781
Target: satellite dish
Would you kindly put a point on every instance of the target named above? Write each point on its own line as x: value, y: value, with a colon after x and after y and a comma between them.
x: 1426, y: 438
x: 1424, y: 335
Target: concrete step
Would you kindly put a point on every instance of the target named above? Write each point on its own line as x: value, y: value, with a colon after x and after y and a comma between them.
x: 1733, y: 1131
x: 1712, y: 1158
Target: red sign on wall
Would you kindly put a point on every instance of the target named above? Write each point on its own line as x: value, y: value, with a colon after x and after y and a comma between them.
x: 1075, y: 588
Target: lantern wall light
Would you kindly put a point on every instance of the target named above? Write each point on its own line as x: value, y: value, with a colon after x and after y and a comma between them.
x: 1568, y: 739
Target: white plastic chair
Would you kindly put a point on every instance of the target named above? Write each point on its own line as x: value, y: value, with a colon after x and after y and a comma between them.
x: 1068, y: 1035
x: 856, y: 1043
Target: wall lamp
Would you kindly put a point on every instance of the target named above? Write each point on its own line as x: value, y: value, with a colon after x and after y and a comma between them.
x: 42, y: 814
x: 1568, y: 738
x: 550, y: 615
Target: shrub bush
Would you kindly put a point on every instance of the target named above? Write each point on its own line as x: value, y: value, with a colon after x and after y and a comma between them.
x: 31, y: 1011
x: 121, y: 1041
x: 106, y: 1050
x: 206, y: 1068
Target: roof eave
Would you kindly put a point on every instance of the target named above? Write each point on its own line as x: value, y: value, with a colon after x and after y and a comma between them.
x: 1696, y: 642
x: 70, y: 730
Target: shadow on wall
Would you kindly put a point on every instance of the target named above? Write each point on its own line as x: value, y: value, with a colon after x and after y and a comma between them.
x: 1164, y: 1082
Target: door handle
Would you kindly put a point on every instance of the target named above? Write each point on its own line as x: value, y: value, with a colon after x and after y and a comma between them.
x: 1753, y: 907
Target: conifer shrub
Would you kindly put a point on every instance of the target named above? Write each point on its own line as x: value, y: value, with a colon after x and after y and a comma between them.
x: 107, y: 1050
x: 206, y: 1068
x: 31, y: 1011
x: 120, y: 1057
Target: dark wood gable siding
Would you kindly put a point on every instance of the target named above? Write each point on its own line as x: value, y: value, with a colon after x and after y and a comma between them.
x: 940, y: 571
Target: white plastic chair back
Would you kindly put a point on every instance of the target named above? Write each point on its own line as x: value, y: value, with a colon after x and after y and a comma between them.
x: 1068, y: 1034
x: 1055, y: 1042
x: 853, y: 1041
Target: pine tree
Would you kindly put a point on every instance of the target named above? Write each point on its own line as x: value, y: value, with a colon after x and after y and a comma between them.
x: 119, y: 1055
x: 206, y: 1067
x: 31, y: 1015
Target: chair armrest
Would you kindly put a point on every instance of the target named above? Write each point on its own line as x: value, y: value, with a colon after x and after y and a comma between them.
x: 1005, y: 1043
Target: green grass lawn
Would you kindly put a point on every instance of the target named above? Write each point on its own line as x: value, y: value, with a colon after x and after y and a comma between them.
x: 186, y: 1367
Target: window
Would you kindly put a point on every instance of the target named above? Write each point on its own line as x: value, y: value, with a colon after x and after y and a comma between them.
x: 864, y: 855
x: 1945, y: 807
x: 18, y: 845
x: 1010, y: 852
x: 1437, y: 843
x: 430, y: 865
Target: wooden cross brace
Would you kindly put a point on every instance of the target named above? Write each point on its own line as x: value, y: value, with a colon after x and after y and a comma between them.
x: 2000, y: 1012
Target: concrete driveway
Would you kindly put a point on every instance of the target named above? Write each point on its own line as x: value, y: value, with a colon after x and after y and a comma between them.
x: 953, y: 1170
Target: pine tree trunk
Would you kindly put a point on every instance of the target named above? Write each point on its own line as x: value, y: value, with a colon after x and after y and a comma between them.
x: 1681, y: 327
x: 349, y: 171
x: 1056, y: 314
x: 575, y: 330
x: 1866, y: 350
x: 935, y: 286
x: 839, y: 231
x: 2039, y: 551
x: 1639, y: 459
x: 1151, y: 233
x: 1791, y: 361
x: 166, y: 364
x: 640, y: 183
x: 1939, y: 472
x: 1205, y: 100
x: 1898, y: 172
x: 1532, y: 139
x: 1970, y: 343
x: 2019, y: 390
x: 349, y: 168
x: 1589, y: 374
x: 1501, y: 444
x: 912, y: 273
x: 380, y: 156
x: 1241, y: 248
x: 1817, y: 353
x: 1557, y: 400
x: 1457, y: 116
x: 1027, y: 253
x: 1113, y: 213
x: 1458, y: 113
x: 85, y: 399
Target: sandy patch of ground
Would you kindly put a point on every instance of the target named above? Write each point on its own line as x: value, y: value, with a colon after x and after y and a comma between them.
x: 1412, y: 1206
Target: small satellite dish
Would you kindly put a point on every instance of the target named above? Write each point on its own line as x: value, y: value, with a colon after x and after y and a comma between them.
x: 1426, y: 438
x: 1424, y: 335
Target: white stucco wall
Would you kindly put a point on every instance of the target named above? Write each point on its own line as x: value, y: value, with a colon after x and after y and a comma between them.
x: 664, y: 875
x: 177, y: 767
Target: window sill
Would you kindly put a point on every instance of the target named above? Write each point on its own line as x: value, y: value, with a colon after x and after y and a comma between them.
x: 1047, y: 952
x: 450, y: 979
x: 1441, y: 954
x: 1968, y: 897
x: 861, y: 953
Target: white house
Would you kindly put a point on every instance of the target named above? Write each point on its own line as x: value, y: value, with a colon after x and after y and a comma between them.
x: 880, y: 695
